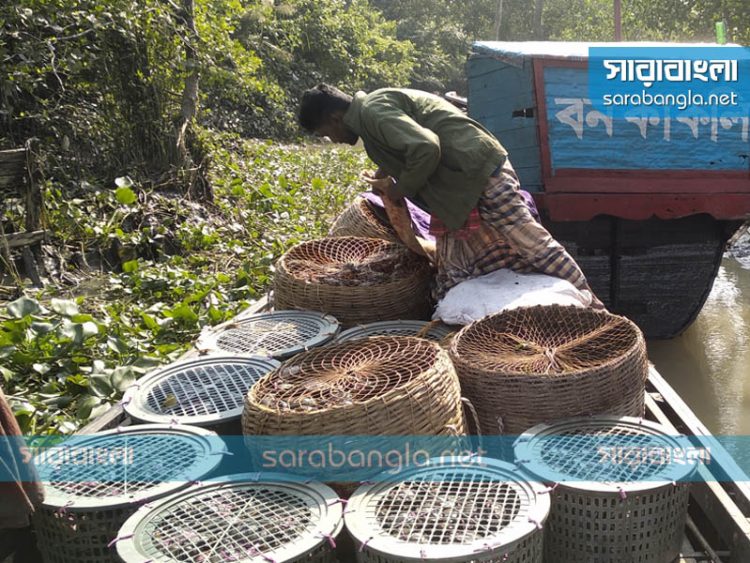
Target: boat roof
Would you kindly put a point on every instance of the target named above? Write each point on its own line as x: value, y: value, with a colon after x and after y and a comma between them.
x: 575, y: 50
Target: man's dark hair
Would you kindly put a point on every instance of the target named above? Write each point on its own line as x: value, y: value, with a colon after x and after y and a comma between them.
x: 319, y: 103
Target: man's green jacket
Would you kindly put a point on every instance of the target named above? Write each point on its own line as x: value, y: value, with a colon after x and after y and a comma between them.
x: 439, y: 156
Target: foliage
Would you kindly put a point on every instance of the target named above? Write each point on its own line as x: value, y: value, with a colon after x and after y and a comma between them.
x: 182, y: 266
x: 100, y: 83
x: 592, y: 20
x: 442, y: 39
x: 304, y: 42
x: 93, y: 81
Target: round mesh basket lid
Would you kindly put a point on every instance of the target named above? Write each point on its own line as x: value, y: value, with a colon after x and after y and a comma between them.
x: 251, y: 518
x: 447, y: 511
x: 126, y: 466
x: 436, y: 332
x: 202, y: 391
x: 605, y: 454
x: 278, y: 334
x: 545, y: 341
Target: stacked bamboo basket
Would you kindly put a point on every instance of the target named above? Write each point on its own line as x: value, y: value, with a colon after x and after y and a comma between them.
x: 361, y: 220
x: 449, y: 511
x: 540, y: 364
x: 617, y: 493
x: 357, y: 280
x: 378, y: 386
x: 105, y: 477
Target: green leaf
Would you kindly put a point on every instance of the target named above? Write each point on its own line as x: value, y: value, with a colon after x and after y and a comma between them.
x: 125, y: 196
x: 116, y: 344
x: 41, y: 369
x: 146, y: 362
x: 7, y: 374
x: 23, y: 306
x: 215, y: 314
x: 77, y: 379
x: 149, y: 321
x: 41, y: 328
x: 85, y: 405
x: 81, y: 318
x: 100, y: 384
x: 185, y: 313
x: 122, y: 378
x: 64, y: 307
x: 130, y: 266
x: 60, y: 401
x: 78, y: 332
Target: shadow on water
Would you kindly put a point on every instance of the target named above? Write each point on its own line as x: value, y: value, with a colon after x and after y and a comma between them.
x: 709, y: 364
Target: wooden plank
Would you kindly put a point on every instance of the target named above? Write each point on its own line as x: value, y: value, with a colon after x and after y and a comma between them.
x: 110, y: 419
x: 719, y: 508
x: 12, y: 171
x: 17, y: 240
x: 12, y: 185
x: 12, y: 155
x: 739, y: 489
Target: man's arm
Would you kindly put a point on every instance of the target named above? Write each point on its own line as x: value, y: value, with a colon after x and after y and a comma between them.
x: 420, y: 147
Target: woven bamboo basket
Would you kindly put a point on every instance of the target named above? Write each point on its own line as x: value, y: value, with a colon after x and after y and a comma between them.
x: 246, y: 517
x: 361, y: 220
x: 455, y: 513
x: 618, y: 493
x: 357, y: 280
x: 385, y: 385
x: 539, y: 364
x: 379, y: 387
x: 87, y: 503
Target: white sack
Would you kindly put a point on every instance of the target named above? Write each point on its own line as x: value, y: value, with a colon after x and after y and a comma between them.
x: 502, y: 290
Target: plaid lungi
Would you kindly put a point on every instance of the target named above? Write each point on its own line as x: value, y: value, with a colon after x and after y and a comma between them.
x: 507, y: 237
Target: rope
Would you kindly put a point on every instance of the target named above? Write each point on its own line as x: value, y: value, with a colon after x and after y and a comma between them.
x: 119, y: 538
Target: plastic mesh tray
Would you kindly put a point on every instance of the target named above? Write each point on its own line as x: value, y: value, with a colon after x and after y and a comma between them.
x: 96, y: 482
x: 618, y: 494
x: 202, y: 391
x: 445, y: 511
x: 603, y: 454
x: 157, y: 459
x: 247, y: 517
x: 396, y: 328
x: 279, y: 334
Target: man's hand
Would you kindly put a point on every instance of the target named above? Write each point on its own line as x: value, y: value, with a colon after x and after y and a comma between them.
x: 381, y: 186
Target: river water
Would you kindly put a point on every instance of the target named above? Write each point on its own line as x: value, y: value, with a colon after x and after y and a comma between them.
x: 709, y: 364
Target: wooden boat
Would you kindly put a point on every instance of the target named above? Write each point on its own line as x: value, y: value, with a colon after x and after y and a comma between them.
x: 645, y: 208
x: 718, y: 526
